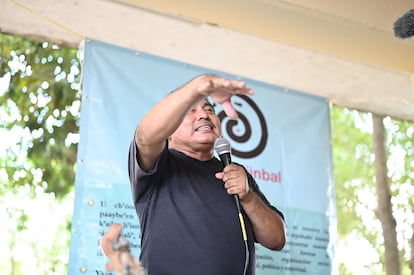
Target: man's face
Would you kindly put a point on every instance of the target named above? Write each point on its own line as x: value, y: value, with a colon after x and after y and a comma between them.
x: 199, y: 129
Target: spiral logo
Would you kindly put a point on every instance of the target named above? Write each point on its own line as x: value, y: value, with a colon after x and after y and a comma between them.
x: 232, y: 128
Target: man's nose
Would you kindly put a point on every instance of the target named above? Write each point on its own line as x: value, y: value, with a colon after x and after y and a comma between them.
x: 202, y: 114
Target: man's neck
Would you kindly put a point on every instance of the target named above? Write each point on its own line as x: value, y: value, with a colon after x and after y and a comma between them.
x: 202, y: 155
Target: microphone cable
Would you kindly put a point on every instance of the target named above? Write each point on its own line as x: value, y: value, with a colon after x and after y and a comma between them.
x: 244, y: 233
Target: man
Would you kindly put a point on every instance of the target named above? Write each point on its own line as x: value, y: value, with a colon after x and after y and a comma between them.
x: 185, y: 199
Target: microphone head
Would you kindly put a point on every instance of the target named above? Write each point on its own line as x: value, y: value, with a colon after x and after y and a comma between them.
x: 222, y: 146
x: 404, y: 26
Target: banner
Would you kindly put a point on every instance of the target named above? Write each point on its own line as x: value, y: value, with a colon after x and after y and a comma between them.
x: 282, y: 137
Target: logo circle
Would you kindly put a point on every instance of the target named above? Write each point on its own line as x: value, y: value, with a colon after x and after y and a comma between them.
x: 231, y: 124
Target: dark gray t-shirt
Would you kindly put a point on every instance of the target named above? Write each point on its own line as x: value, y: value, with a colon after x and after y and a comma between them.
x: 189, y: 224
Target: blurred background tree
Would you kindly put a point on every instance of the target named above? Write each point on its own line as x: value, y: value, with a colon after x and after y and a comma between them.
x: 39, y: 113
x: 359, y: 228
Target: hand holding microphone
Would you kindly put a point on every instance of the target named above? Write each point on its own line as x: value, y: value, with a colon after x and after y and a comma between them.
x: 233, y: 176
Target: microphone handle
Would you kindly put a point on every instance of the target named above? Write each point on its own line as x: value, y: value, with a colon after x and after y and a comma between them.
x: 226, y: 160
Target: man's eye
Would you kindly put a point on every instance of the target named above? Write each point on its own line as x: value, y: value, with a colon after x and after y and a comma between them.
x: 209, y: 110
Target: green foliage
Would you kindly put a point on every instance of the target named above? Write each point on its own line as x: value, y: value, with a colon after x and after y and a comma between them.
x: 42, y: 101
x: 355, y: 179
x: 401, y: 174
x: 352, y: 157
x: 39, y: 113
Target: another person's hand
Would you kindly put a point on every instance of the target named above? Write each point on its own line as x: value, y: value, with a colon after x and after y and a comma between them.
x: 119, y: 253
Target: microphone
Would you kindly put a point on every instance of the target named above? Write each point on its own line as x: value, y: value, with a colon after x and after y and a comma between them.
x: 223, y: 149
x: 404, y: 26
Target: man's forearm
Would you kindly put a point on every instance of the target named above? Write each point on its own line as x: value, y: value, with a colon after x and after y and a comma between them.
x: 268, y: 226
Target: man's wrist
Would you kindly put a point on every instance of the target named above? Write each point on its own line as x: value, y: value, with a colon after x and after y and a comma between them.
x: 248, y: 197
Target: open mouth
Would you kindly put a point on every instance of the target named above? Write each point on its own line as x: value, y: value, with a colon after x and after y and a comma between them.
x: 204, y: 128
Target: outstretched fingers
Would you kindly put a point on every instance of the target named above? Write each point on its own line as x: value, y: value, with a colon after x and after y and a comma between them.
x: 221, y: 90
x: 212, y: 84
x: 229, y: 110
